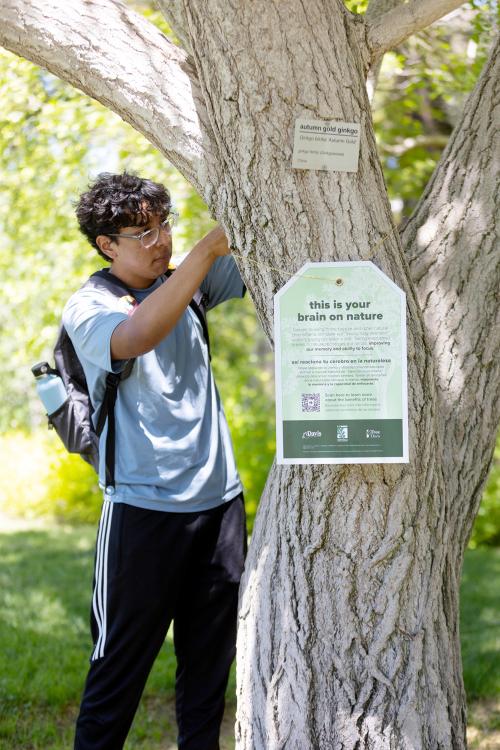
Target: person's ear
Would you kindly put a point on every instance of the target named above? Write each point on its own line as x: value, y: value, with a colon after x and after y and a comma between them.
x: 106, y: 246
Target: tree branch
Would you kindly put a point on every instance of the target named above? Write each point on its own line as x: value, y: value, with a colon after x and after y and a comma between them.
x: 452, y: 246
x: 376, y: 9
x: 175, y: 13
x: 390, y: 29
x: 119, y: 58
x: 431, y: 142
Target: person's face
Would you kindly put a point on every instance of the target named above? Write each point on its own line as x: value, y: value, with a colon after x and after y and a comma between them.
x: 139, y: 266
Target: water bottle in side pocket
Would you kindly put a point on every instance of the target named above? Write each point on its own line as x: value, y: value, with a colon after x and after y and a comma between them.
x: 49, y: 386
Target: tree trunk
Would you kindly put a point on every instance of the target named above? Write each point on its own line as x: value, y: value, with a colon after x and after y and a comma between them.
x: 346, y: 599
x: 348, y: 627
x: 349, y: 606
x: 453, y: 252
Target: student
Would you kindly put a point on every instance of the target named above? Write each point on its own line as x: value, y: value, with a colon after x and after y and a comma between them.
x: 171, y: 539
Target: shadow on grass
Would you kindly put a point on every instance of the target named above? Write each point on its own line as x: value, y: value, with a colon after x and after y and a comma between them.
x: 45, y: 578
x: 45, y: 592
x: 480, y: 622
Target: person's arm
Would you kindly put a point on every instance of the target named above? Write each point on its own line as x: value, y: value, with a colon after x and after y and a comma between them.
x: 157, y: 315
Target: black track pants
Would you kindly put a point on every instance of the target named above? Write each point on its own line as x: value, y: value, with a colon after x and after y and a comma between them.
x: 151, y: 568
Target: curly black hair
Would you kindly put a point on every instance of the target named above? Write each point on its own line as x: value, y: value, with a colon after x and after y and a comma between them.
x: 114, y: 201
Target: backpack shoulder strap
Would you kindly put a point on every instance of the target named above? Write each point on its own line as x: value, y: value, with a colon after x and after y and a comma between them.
x: 198, y: 306
x: 199, y: 311
x: 105, y: 279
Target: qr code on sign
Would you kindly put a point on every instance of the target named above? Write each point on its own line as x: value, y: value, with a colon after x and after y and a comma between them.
x: 310, y: 402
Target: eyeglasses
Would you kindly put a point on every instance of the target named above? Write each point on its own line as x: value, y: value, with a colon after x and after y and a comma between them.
x: 151, y: 236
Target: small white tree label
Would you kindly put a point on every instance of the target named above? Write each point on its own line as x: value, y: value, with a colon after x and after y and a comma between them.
x: 323, y: 144
x: 341, y: 375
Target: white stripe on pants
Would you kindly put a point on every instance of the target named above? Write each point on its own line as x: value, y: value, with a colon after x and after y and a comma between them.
x: 99, y: 599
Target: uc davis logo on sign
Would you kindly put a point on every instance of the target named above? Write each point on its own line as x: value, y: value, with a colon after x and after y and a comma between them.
x: 342, y: 432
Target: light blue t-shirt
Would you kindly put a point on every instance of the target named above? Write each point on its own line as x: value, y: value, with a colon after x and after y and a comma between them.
x: 173, y: 448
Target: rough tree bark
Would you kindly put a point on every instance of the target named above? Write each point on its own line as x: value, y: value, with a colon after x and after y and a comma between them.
x: 348, y: 632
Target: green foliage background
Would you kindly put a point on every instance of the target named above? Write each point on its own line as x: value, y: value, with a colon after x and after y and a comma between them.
x: 53, y: 140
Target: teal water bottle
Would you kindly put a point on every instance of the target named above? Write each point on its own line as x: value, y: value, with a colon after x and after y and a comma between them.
x: 49, y: 386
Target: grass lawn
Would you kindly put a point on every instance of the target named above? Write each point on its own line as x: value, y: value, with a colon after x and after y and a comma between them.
x: 45, y: 582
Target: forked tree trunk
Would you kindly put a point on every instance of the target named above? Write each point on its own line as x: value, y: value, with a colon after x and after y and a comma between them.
x: 348, y: 626
x: 348, y: 632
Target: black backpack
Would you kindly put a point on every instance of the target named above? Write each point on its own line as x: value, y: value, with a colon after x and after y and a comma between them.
x: 73, y: 420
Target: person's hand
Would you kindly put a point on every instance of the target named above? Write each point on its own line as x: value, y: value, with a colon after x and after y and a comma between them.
x: 215, y: 242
